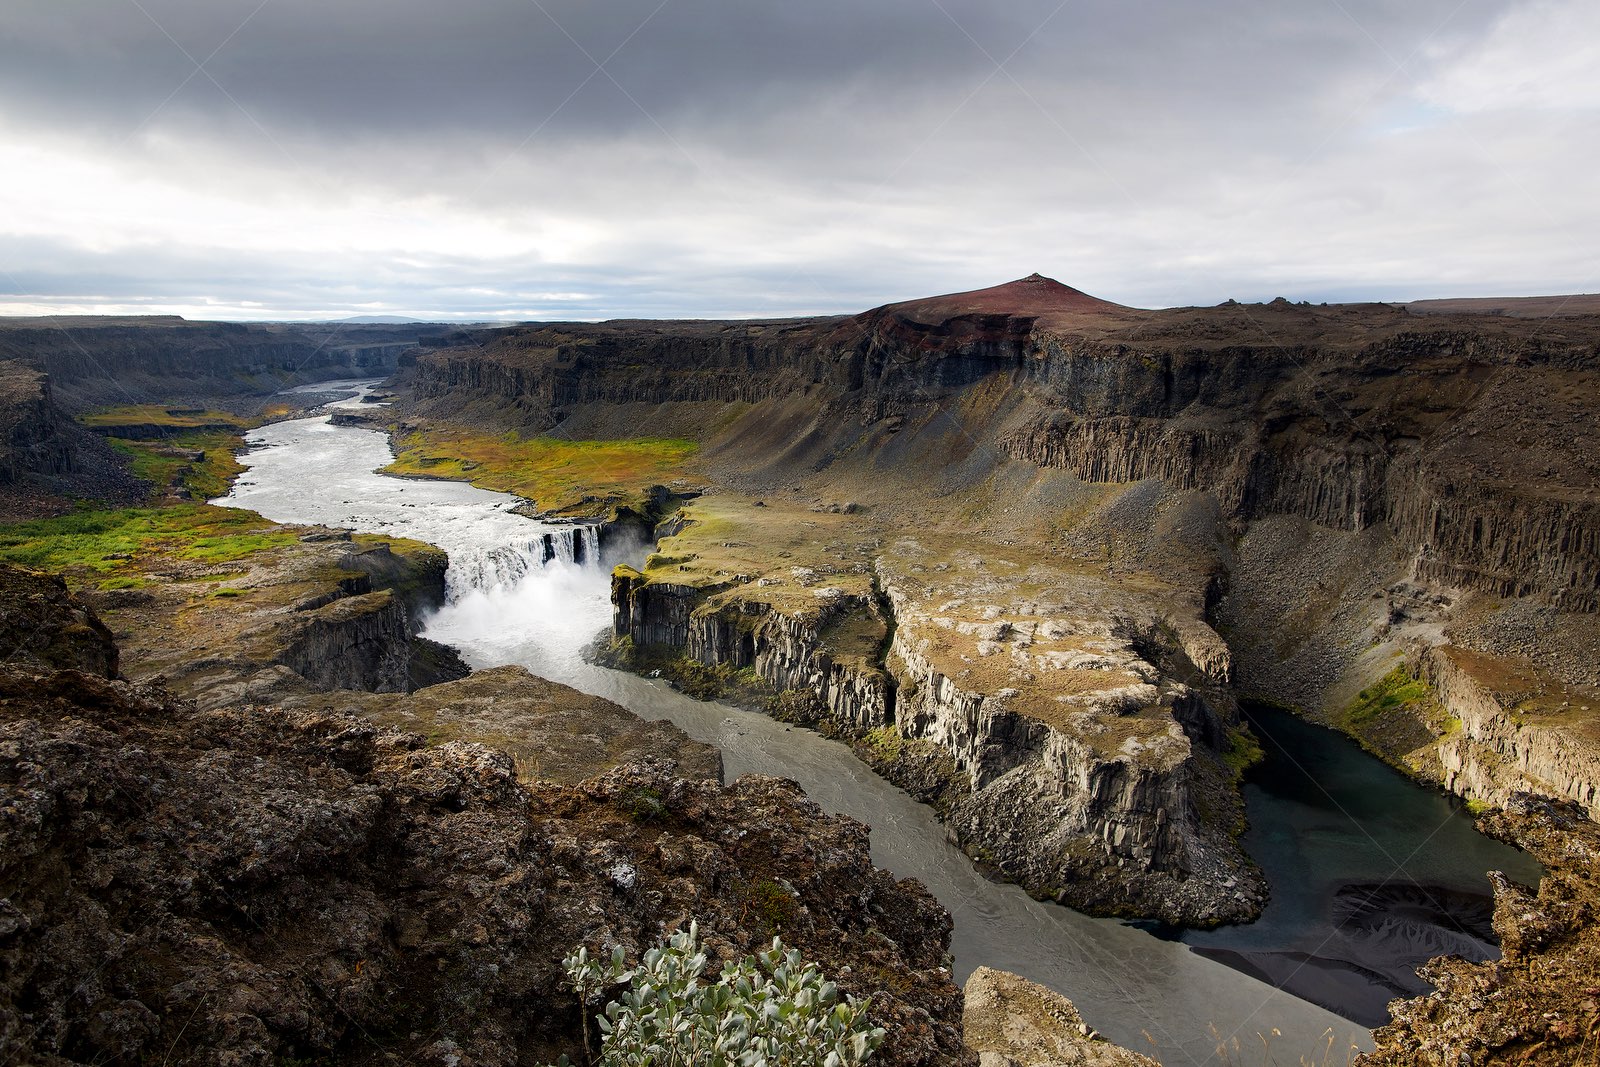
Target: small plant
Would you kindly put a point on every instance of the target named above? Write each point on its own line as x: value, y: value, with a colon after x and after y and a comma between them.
x: 643, y: 804
x: 1243, y: 752
x: 768, y: 1009
x: 1395, y: 689
x: 774, y: 905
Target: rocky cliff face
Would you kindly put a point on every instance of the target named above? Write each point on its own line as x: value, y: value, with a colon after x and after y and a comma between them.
x: 1494, y: 751
x: 1086, y: 785
x: 356, y: 642
x: 44, y: 626
x: 102, y: 361
x: 324, y: 611
x: 1455, y: 437
x: 1012, y: 1022
x: 1038, y: 722
x: 788, y: 650
x: 1458, y: 442
x: 33, y: 443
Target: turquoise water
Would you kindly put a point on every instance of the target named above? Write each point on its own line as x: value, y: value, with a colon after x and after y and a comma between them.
x: 1371, y: 874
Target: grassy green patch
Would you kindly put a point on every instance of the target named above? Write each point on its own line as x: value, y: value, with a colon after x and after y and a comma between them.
x: 162, y: 464
x: 109, y: 541
x: 159, y: 415
x: 643, y: 804
x: 1243, y: 752
x: 1394, y: 690
x: 559, y: 476
x: 884, y: 743
x: 774, y: 906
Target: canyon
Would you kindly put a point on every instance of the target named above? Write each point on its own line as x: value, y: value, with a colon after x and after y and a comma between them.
x: 1024, y: 548
x: 1123, y: 520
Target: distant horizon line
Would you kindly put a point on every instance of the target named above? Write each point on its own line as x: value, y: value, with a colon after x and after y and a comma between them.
x: 471, y: 319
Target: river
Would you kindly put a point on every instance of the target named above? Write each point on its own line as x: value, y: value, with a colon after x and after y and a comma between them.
x: 1151, y: 994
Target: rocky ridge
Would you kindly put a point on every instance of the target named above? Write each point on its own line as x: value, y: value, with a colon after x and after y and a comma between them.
x: 96, y: 361
x: 1012, y: 1022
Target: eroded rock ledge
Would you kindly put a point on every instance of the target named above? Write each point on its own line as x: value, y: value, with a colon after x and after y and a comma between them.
x: 1038, y: 708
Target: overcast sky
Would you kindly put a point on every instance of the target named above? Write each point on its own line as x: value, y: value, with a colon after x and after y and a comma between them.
x: 597, y: 158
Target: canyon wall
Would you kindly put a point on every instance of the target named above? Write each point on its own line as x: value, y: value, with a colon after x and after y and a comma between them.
x: 1495, y: 750
x: 1458, y: 439
x: 354, y: 642
x: 33, y: 441
x: 97, y: 362
x: 1469, y: 445
x: 1048, y: 805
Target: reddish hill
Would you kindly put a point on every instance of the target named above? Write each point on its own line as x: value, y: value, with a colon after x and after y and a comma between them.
x: 1035, y: 295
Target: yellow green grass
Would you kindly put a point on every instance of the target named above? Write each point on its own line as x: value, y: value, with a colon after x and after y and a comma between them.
x: 98, y: 544
x: 1395, y: 689
x: 209, y: 477
x: 559, y: 476
x: 160, y: 415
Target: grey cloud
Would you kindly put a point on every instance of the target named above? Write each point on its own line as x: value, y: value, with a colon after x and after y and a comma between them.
x: 502, y: 67
x: 789, y: 157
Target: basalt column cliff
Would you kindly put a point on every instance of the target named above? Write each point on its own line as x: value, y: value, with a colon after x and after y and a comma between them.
x: 1028, y: 547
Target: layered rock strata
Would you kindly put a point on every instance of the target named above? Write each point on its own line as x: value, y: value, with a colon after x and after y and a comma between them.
x: 1349, y: 416
x: 1496, y: 746
x: 1085, y: 765
x: 165, y: 359
x: 33, y: 443
x: 1040, y: 710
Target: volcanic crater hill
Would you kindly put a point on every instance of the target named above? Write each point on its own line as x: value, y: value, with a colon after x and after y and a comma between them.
x: 253, y: 885
x: 1278, y: 499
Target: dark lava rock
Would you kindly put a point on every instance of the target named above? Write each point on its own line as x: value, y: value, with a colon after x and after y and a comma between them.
x: 43, y: 625
x: 1539, y: 1003
x: 253, y: 886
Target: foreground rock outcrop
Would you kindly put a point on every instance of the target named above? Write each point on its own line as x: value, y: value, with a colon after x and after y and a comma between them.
x: 1539, y: 1003
x: 247, y: 885
x: 1012, y: 1022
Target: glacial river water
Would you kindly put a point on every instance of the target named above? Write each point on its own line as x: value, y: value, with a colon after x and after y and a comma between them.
x: 1152, y: 994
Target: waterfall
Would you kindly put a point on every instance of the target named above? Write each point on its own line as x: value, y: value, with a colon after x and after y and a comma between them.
x: 503, y: 566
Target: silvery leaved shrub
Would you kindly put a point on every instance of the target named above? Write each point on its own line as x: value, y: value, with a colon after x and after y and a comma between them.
x: 767, y: 1010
